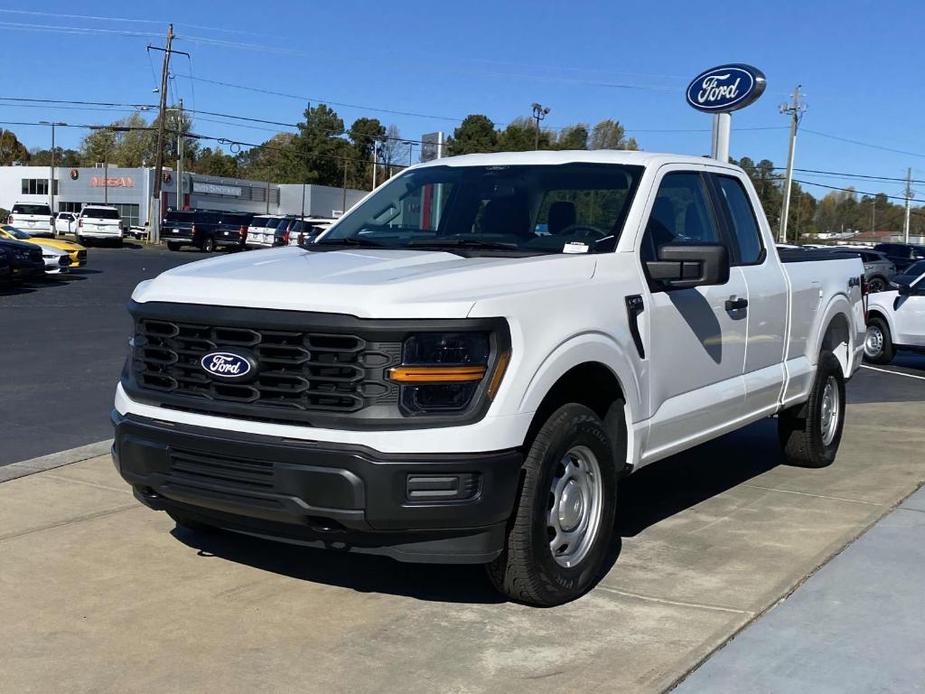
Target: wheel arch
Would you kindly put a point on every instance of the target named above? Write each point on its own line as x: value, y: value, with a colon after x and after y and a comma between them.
x: 837, y: 336
x: 591, y: 370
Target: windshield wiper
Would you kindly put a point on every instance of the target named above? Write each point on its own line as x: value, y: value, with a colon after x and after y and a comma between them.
x: 463, y: 243
x: 350, y: 241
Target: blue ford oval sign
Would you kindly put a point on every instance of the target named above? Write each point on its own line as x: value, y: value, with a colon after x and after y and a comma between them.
x: 725, y: 88
x: 226, y: 364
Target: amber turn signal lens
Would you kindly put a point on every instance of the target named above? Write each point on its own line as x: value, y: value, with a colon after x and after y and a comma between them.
x: 496, y: 377
x: 437, y: 374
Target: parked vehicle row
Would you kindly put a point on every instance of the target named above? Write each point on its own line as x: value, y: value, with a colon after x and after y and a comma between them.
x: 210, y: 230
x: 896, y: 319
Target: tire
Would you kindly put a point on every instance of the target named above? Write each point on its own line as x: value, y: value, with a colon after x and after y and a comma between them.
x: 184, y: 521
x: 878, y: 343
x: 810, y: 433
x: 528, y: 570
x: 208, y: 245
x: 83, y: 241
x: 173, y: 246
x: 877, y: 284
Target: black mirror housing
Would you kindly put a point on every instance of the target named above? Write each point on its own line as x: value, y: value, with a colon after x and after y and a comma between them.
x: 686, y: 265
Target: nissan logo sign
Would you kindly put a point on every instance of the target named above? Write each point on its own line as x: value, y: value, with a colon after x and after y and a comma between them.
x: 725, y: 88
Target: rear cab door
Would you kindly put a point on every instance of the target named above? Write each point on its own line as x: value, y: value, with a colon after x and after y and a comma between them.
x: 766, y: 285
x: 697, y: 336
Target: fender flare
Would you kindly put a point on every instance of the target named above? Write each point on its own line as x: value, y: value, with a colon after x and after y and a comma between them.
x: 838, y: 306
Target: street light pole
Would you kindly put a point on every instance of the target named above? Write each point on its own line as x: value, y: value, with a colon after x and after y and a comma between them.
x: 51, y: 168
x: 539, y: 113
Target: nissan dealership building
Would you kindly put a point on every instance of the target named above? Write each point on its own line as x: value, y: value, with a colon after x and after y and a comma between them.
x: 130, y: 189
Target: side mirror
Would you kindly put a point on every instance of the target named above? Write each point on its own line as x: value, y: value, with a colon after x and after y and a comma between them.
x: 682, y: 265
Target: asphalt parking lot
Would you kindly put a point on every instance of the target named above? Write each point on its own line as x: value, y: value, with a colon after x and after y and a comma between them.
x: 63, y: 344
x: 103, y: 594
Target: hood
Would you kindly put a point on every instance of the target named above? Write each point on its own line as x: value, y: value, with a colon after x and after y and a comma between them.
x: 362, y: 282
x: 13, y: 243
x: 67, y: 246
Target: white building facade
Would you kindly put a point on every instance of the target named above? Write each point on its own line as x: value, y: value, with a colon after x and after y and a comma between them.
x: 130, y: 189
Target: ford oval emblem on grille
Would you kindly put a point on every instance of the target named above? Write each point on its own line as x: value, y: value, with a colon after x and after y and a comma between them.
x: 227, y: 365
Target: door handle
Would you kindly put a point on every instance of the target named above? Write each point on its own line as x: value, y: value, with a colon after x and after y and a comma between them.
x: 736, y: 304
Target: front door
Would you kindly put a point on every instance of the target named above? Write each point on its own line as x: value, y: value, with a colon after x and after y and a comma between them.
x: 696, y: 336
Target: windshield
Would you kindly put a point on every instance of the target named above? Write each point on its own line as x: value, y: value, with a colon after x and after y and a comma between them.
x: 524, y: 209
x: 16, y: 233
x: 100, y: 213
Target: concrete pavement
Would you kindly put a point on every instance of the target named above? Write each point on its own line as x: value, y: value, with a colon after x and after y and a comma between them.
x: 101, y: 594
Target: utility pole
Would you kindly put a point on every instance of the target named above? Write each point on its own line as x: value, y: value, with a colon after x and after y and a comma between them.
x: 51, y: 171
x: 154, y: 215
x: 794, y: 111
x: 873, y: 215
x: 375, y: 162
x: 909, y: 195
x: 539, y: 113
x: 180, y: 199
x: 343, y: 206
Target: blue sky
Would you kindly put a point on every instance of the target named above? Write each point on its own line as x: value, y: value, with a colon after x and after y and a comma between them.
x: 857, y: 61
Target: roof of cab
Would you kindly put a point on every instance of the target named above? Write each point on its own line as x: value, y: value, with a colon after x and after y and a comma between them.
x: 594, y: 156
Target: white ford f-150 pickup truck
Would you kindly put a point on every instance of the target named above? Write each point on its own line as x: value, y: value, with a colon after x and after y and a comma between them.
x: 464, y: 366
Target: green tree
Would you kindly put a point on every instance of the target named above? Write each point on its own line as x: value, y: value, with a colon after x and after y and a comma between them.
x: 520, y: 136
x: 573, y: 137
x: 63, y: 157
x: 214, y: 162
x: 609, y: 134
x: 98, y: 146
x: 11, y: 149
x: 475, y: 134
x: 364, y: 134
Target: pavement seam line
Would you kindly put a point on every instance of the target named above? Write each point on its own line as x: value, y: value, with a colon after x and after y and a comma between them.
x: 815, y: 496
x: 69, y: 521
x: 793, y: 589
x: 894, y: 373
x: 61, y: 478
x: 24, y: 468
x: 679, y: 603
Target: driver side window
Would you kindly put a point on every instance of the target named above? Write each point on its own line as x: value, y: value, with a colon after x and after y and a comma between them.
x: 681, y: 214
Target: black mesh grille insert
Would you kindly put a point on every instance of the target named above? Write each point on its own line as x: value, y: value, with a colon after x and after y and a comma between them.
x: 296, y: 371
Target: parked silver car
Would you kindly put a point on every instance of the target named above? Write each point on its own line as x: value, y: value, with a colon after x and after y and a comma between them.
x: 878, y: 270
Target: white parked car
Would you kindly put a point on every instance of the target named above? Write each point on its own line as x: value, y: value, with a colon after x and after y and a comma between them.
x: 99, y: 223
x: 65, y: 223
x: 34, y: 217
x: 56, y: 260
x: 896, y: 319
x: 437, y: 381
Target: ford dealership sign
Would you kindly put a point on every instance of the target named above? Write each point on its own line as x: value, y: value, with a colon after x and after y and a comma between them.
x: 725, y: 88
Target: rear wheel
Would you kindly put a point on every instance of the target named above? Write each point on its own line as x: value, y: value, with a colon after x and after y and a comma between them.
x: 878, y: 343
x: 810, y: 433
x: 208, y: 245
x: 877, y: 284
x: 563, y: 527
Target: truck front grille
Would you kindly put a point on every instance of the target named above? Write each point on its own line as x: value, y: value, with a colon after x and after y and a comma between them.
x: 295, y: 370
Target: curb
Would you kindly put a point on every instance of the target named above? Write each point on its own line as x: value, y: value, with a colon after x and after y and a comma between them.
x: 54, y: 460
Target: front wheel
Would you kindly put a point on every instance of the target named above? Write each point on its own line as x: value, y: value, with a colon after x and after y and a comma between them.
x: 560, y: 534
x: 810, y: 433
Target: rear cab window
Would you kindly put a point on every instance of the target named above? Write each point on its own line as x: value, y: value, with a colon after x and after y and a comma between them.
x: 746, y: 232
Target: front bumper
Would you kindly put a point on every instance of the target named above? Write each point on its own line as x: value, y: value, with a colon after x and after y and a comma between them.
x: 441, y: 508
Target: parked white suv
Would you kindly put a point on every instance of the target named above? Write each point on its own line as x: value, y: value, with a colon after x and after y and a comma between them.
x: 464, y: 366
x: 34, y: 217
x: 896, y: 319
x: 99, y: 223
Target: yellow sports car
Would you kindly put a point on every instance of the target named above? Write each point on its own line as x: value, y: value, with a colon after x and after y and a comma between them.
x: 77, y: 252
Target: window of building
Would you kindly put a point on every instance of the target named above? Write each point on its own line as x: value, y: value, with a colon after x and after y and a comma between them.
x: 129, y: 213
x: 69, y: 206
x: 37, y: 186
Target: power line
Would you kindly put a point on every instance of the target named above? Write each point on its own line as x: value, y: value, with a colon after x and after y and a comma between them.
x: 843, y: 174
x: 864, y: 144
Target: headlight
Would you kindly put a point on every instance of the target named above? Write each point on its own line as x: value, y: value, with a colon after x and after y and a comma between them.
x: 442, y: 372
